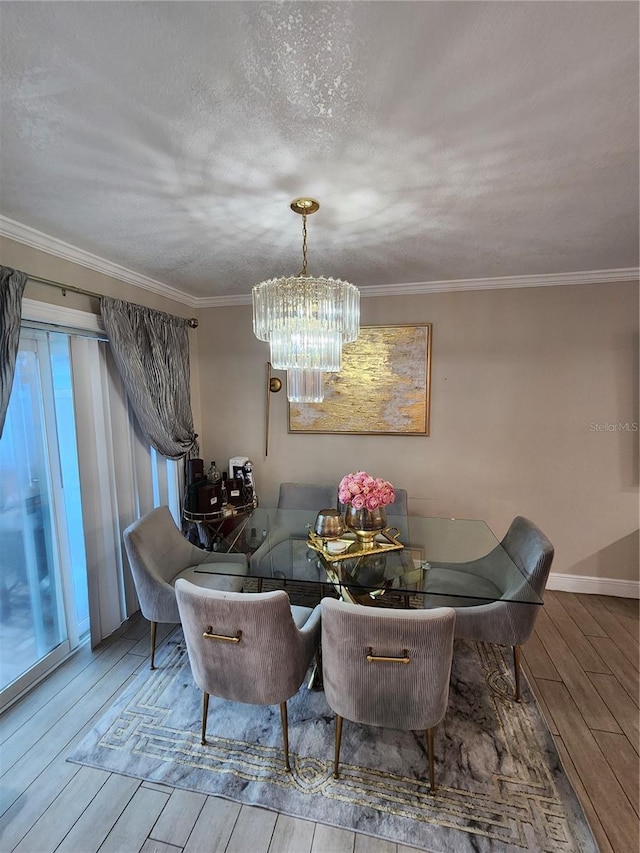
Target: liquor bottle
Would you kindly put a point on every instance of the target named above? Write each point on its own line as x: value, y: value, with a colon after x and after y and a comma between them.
x: 248, y: 487
x: 223, y: 491
x: 214, y: 475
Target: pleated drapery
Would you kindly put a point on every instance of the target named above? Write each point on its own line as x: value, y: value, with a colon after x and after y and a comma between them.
x: 12, y: 283
x: 120, y: 479
x: 151, y: 351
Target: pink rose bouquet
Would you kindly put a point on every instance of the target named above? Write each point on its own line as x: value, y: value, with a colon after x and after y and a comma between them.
x: 362, y: 491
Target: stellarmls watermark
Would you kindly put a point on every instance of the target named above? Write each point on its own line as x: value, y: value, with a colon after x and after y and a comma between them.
x: 619, y: 426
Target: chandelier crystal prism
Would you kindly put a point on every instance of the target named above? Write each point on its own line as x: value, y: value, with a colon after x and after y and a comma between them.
x: 306, y: 319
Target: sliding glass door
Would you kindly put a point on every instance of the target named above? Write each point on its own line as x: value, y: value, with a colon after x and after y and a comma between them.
x: 75, y: 470
x: 43, y: 593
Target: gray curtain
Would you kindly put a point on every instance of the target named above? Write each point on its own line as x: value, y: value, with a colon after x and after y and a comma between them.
x: 12, y: 284
x: 151, y: 351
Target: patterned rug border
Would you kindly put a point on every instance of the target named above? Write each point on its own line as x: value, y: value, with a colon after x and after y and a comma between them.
x: 522, y: 800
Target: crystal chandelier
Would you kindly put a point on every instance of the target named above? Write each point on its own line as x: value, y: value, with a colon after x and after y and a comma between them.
x: 306, y: 319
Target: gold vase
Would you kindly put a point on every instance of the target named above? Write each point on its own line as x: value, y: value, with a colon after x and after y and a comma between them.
x: 365, y: 523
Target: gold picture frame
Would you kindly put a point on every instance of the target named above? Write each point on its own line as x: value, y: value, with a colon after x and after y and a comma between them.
x: 384, y: 387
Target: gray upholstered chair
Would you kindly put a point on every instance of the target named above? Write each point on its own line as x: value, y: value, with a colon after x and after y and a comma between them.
x: 397, y: 513
x: 247, y: 647
x: 388, y: 668
x: 159, y: 554
x: 313, y: 496
x: 306, y: 496
x: 400, y: 505
x: 299, y: 496
x: 493, y: 621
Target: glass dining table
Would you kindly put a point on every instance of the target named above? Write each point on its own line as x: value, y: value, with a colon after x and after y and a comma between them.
x: 414, y: 562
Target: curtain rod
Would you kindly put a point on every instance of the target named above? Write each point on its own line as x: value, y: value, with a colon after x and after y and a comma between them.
x: 191, y: 322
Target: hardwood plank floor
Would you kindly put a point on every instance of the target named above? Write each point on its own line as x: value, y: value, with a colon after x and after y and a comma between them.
x: 582, y: 664
x: 96, y: 821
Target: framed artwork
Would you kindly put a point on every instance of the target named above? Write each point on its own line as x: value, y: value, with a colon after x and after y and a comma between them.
x: 383, y: 388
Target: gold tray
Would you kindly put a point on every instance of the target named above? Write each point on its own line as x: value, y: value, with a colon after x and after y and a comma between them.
x: 390, y: 543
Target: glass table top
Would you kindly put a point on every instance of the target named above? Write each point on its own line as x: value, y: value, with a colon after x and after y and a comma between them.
x: 443, y: 561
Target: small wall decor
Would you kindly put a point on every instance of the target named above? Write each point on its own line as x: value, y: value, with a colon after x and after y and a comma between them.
x: 382, y: 389
x: 273, y: 386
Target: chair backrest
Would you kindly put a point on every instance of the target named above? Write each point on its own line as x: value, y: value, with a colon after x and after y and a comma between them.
x: 156, y: 548
x: 157, y: 551
x: 265, y: 666
x: 400, y: 505
x: 398, y: 514
x: 306, y: 496
x: 530, y: 550
x: 391, y: 694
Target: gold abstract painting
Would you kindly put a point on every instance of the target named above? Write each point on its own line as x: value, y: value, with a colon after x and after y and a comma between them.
x: 382, y: 389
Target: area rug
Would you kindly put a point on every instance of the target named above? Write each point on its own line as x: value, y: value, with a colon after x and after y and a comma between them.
x: 501, y: 785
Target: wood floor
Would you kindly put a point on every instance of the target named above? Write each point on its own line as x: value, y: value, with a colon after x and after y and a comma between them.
x: 582, y: 664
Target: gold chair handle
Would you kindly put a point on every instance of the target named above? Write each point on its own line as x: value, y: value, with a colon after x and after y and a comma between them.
x: 209, y: 636
x: 371, y: 658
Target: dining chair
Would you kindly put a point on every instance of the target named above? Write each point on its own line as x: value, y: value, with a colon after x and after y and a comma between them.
x: 293, y: 496
x: 488, y: 608
x: 397, y: 514
x: 386, y: 667
x: 400, y: 505
x: 307, y: 496
x: 159, y: 554
x: 247, y: 647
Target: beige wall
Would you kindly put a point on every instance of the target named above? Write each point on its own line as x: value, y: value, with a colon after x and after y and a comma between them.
x: 518, y: 378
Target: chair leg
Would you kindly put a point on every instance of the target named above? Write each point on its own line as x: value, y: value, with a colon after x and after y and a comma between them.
x: 516, y: 670
x: 285, y: 735
x: 205, y: 711
x: 432, y: 773
x: 154, y: 625
x: 336, y: 758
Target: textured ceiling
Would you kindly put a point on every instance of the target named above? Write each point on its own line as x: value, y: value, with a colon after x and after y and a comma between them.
x: 444, y: 140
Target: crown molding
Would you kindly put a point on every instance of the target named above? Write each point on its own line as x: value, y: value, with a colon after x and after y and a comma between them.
x: 501, y: 283
x: 38, y: 240
x: 59, y: 249
x: 505, y: 282
x: 227, y: 301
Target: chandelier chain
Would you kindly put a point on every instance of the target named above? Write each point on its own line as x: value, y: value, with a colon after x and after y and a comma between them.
x: 304, y: 245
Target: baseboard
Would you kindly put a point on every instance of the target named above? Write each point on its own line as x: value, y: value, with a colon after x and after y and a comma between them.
x: 594, y: 586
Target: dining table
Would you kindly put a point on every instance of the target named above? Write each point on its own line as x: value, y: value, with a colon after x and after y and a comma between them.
x: 414, y: 561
